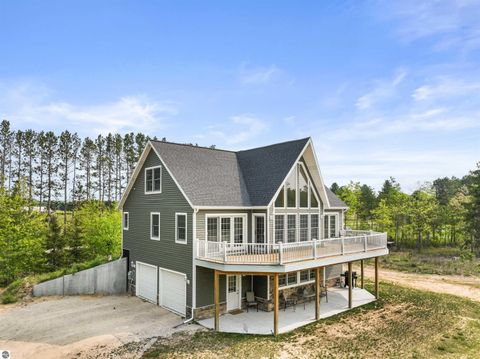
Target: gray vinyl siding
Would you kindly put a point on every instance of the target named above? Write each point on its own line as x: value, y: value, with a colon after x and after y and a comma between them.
x: 205, y: 278
x: 164, y: 253
x: 260, y: 286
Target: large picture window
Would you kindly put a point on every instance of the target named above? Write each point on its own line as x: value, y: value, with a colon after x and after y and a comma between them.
x: 153, y: 179
x: 291, y: 228
x: 303, y: 227
x: 298, y: 190
x: 314, y: 227
x: 279, y: 228
x: 226, y: 228
x: 291, y: 187
x: 302, y: 187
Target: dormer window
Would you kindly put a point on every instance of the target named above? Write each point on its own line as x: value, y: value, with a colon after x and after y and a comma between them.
x: 153, y: 180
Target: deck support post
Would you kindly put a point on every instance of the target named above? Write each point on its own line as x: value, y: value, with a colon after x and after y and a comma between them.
x: 318, y: 284
x: 350, y: 285
x: 376, y: 278
x: 275, y: 304
x: 216, y: 298
x: 361, y: 274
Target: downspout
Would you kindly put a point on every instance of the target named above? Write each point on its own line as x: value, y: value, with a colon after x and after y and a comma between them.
x: 194, y: 269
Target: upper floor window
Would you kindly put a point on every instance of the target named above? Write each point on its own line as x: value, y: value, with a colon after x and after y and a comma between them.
x: 291, y: 188
x: 302, y: 187
x: 330, y: 223
x: 227, y: 228
x: 125, y: 220
x: 298, y: 190
x: 153, y: 179
x: 181, y: 228
x: 155, y: 226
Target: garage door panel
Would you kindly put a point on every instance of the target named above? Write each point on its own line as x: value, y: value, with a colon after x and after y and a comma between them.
x: 173, y: 291
x: 146, y: 282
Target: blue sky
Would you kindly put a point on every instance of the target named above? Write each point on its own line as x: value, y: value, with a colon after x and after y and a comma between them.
x: 384, y: 88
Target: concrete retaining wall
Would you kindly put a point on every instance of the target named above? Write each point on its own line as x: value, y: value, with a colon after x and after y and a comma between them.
x: 109, y: 278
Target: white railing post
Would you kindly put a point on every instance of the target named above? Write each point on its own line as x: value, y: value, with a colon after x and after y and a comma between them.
x: 205, y: 248
x: 280, y: 252
x: 314, y: 248
x: 225, y: 252
x: 365, y: 243
x: 343, y: 246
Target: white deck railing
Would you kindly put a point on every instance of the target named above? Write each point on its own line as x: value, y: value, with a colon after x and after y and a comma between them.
x: 280, y: 253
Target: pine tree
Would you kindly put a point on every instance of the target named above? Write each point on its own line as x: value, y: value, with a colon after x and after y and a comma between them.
x: 50, y: 153
x: 99, y: 170
x: 65, y: 149
x: 473, y: 209
x: 87, y: 153
x: 54, y: 244
x: 30, y: 138
x: 18, y: 151
x: 5, y: 148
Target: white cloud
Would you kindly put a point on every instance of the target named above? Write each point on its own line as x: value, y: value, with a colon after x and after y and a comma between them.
x: 383, y: 89
x: 445, y: 87
x: 452, y: 24
x: 32, y: 105
x: 258, y: 75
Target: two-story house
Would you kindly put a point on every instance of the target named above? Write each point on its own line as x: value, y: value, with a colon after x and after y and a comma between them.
x: 203, y: 227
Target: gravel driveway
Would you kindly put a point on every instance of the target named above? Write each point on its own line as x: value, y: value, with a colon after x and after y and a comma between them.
x: 81, y: 326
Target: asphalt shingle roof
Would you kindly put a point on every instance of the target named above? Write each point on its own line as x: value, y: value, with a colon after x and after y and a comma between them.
x: 211, y: 177
x: 334, y: 200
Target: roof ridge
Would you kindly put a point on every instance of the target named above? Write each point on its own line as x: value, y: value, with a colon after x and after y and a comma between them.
x: 274, y: 144
x: 193, y: 146
x: 224, y: 150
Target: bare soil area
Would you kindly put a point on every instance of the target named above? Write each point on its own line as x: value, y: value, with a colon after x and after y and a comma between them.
x: 84, y: 327
x: 467, y: 287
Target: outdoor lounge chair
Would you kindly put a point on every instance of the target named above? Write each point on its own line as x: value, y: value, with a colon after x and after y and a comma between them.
x: 290, y: 301
x: 251, y: 302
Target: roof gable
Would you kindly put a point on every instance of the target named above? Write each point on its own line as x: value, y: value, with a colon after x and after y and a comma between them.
x: 218, y: 178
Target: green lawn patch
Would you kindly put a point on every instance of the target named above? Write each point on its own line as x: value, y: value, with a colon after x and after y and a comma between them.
x: 443, y: 261
x: 403, y: 323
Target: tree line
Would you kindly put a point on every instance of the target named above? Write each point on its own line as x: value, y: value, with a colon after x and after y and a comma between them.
x: 62, y: 169
x: 445, y: 212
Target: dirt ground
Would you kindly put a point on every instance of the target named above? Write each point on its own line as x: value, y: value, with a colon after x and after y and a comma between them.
x: 84, y: 327
x: 467, y: 287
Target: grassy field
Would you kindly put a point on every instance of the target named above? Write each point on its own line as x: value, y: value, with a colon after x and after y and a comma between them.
x: 433, y: 261
x: 404, y: 323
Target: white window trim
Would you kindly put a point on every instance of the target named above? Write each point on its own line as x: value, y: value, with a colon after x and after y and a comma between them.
x: 298, y: 283
x: 294, y: 170
x: 151, y: 225
x: 125, y: 227
x: 179, y: 241
x: 296, y: 227
x: 254, y: 227
x: 327, y: 229
x: 145, y: 180
x: 232, y: 226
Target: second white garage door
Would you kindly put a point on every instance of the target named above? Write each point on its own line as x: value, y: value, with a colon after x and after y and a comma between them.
x: 146, y: 281
x: 173, y: 290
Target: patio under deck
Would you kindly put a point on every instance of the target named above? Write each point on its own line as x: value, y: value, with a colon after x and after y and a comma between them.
x: 261, y: 322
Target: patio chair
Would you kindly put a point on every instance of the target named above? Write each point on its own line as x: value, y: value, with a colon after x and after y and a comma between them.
x: 290, y: 301
x: 307, y: 296
x: 251, y: 302
x: 324, y: 292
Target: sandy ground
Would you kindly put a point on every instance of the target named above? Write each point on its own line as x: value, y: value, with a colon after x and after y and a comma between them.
x: 468, y: 287
x: 84, y: 327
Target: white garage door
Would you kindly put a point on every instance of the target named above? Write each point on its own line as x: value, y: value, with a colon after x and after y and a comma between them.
x: 173, y: 291
x: 146, y: 281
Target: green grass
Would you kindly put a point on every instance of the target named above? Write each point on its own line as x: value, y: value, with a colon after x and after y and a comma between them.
x: 445, y: 261
x: 403, y: 323
x: 22, y: 287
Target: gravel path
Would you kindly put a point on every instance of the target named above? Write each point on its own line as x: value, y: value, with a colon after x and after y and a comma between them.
x: 82, y: 326
x: 467, y: 287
